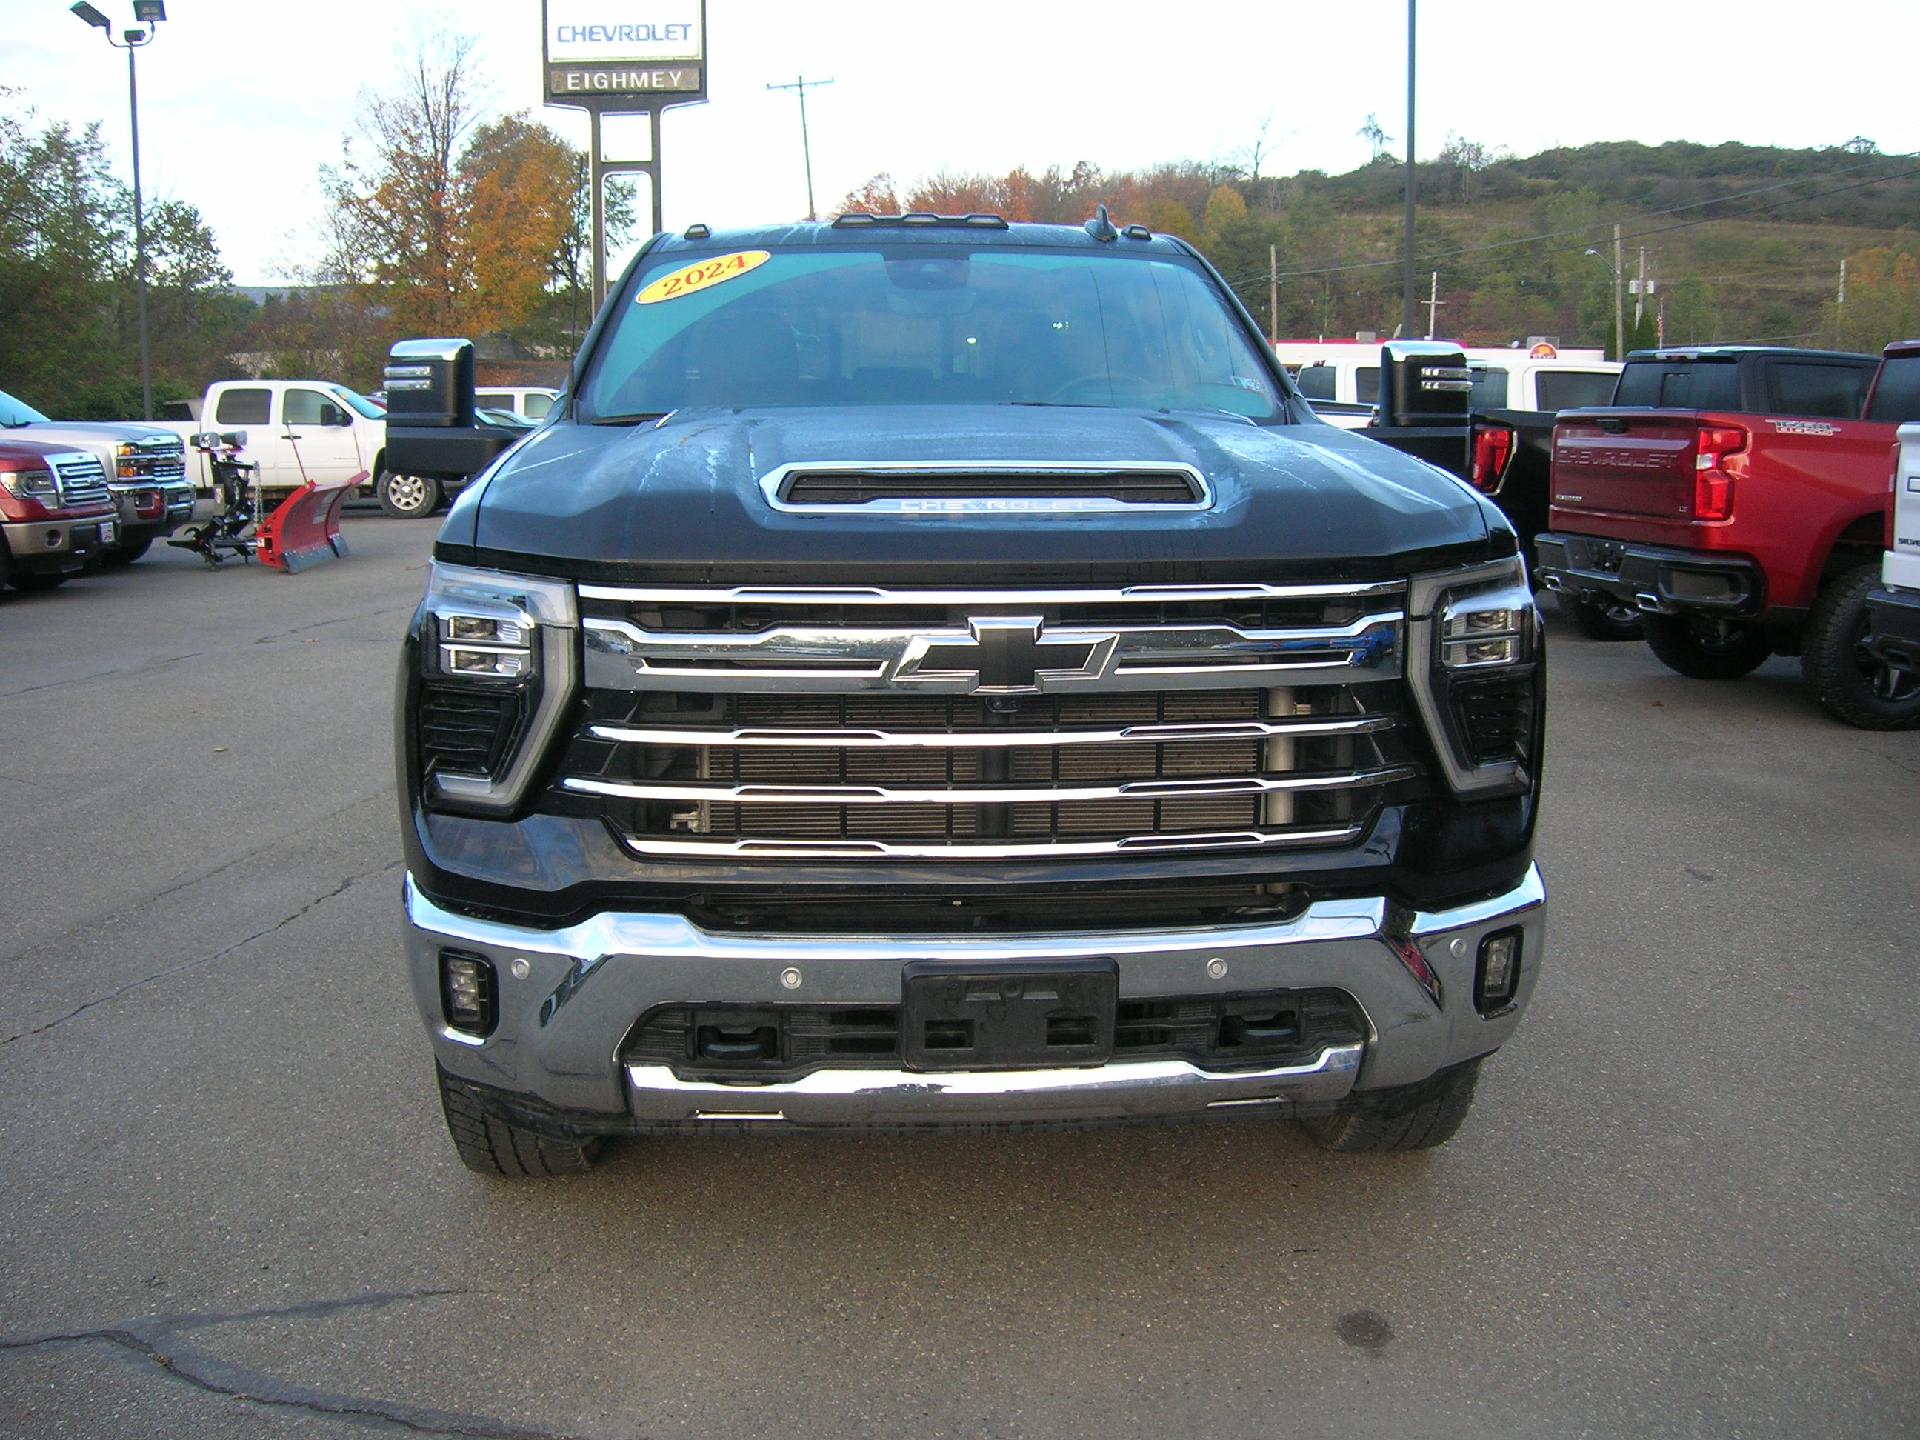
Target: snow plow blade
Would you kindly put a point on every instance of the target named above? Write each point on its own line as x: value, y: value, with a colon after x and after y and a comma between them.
x: 304, y: 528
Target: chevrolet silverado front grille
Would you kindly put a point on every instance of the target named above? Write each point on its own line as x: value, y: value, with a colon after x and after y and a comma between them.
x: 986, y: 725
x: 161, y: 461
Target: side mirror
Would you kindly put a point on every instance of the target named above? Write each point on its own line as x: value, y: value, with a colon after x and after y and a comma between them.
x: 333, y: 417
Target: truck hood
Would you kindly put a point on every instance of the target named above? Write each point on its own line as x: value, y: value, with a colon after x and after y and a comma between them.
x: 89, y: 432
x: 683, y: 499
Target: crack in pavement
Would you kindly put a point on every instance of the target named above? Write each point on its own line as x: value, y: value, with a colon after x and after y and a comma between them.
x: 157, y: 1341
x: 199, y: 960
x: 339, y: 620
x: 142, y: 669
x: 102, y: 675
x: 188, y: 882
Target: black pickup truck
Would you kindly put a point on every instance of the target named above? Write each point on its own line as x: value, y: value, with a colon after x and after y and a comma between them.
x: 935, y: 671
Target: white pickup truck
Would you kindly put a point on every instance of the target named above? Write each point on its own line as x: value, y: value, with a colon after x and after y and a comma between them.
x: 1893, y: 606
x: 1341, y: 380
x: 300, y: 430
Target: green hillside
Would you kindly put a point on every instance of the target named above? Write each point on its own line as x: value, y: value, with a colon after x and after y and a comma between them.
x: 1743, y: 243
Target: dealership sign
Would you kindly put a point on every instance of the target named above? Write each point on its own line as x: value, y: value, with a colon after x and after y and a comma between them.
x: 595, y: 51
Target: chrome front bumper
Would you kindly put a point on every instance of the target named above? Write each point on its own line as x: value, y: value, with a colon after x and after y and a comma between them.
x: 567, y: 999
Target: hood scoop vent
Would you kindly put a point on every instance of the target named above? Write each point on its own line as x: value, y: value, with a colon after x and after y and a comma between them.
x: 985, y: 489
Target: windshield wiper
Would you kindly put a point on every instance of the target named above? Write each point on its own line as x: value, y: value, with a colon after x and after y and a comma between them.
x: 644, y: 417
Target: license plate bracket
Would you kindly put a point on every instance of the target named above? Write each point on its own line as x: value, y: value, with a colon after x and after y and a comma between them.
x: 1018, y: 1015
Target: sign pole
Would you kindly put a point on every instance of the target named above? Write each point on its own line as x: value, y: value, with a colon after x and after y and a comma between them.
x: 655, y: 59
x: 654, y: 174
x: 597, y: 209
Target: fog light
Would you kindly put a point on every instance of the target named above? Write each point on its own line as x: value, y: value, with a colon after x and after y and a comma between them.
x: 467, y: 992
x: 1498, y: 974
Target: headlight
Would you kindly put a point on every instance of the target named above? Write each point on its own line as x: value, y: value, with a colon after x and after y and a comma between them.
x: 497, y: 657
x: 1474, y: 649
x: 31, y: 485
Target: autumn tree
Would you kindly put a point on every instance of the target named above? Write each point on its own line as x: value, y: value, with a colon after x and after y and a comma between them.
x: 515, y: 183
x: 1883, y: 300
x: 398, y: 212
x: 876, y: 197
x: 445, y: 224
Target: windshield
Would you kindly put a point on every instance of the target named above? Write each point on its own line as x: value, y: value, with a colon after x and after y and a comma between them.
x: 15, y: 413
x: 357, y: 403
x: 924, y: 325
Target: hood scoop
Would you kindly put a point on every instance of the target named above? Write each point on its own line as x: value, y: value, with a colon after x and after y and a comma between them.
x: 987, y: 489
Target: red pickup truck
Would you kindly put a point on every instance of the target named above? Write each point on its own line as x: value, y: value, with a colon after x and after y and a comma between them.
x: 56, y: 515
x: 1747, y: 524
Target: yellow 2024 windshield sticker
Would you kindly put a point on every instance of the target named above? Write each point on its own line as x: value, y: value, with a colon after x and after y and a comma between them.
x: 706, y: 274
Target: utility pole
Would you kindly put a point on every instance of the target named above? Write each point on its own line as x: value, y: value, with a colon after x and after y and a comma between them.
x: 1619, y: 301
x: 1840, y: 305
x: 1640, y: 291
x: 1273, y: 293
x: 801, y: 84
x: 1406, y: 278
x: 1434, y: 302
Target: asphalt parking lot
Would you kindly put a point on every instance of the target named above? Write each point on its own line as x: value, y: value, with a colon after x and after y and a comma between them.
x: 1685, y: 1203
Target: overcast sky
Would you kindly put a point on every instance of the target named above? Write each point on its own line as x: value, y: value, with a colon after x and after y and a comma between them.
x: 241, y: 101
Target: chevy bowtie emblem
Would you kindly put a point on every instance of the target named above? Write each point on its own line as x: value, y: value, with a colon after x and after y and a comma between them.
x: 1003, y: 657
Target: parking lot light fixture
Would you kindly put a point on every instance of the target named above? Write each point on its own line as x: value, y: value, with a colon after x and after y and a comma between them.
x: 149, y: 14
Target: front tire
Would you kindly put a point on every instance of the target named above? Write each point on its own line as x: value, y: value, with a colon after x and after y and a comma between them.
x: 407, y: 497
x: 1602, y: 617
x: 126, y: 552
x: 1430, y: 1116
x: 1707, y: 647
x: 489, y: 1145
x: 1849, y: 683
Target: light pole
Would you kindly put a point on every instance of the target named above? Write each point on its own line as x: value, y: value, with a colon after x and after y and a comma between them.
x: 148, y: 14
x: 1619, y: 305
x: 1406, y: 267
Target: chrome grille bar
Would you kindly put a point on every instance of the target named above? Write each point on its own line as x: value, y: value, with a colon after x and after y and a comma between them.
x: 831, y: 595
x: 988, y: 850
x: 864, y: 739
x: 623, y: 655
x: 1203, y: 786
